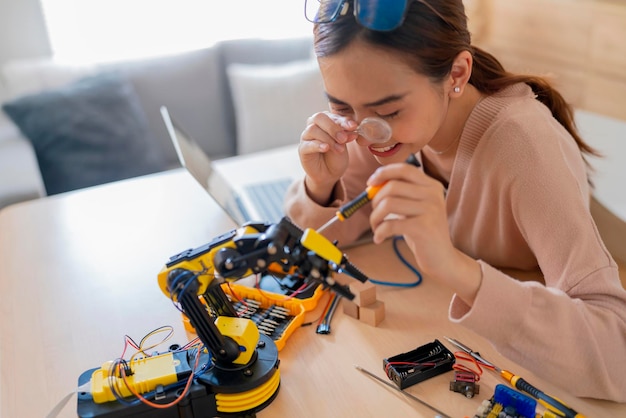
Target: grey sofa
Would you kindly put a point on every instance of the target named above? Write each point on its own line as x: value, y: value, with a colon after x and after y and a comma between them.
x: 193, y: 85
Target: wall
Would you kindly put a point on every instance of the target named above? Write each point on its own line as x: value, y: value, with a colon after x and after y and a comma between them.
x: 22, y: 30
x: 579, y: 44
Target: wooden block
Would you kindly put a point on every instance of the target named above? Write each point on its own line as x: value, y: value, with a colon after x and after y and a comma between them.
x: 364, y: 293
x: 350, y: 308
x: 372, y: 314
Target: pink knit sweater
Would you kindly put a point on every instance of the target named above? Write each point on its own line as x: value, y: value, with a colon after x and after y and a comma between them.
x: 519, y: 198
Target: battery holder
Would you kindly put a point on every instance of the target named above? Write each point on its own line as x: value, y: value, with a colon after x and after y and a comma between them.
x: 415, y: 366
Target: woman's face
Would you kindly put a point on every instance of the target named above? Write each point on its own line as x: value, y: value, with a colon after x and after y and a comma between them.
x: 362, y: 81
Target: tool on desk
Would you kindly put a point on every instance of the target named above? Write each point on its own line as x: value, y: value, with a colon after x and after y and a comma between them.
x: 517, y: 382
x: 408, y: 395
x: 361, y: 200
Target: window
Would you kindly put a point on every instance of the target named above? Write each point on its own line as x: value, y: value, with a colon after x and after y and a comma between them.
x: 106, y: 30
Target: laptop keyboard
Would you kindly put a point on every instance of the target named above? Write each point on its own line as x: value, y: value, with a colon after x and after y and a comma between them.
x: 268, y: 198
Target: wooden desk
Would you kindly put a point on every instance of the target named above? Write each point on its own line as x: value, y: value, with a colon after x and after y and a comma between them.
x: 78, y: 272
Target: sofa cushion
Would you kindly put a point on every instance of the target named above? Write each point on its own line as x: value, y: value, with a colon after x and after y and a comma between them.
x: 20, y: 176
x: 8, y: 130
x: 273, y: 102
x: 86, y: 133
x: 258, y: 52
x: 191, y: 86
x: 29, y: 76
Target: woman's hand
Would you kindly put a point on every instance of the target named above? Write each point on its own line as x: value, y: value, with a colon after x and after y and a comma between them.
x: 412, y: 204
x: 323, y: 152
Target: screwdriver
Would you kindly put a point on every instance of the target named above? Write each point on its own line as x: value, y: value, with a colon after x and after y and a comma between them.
x: 361, y: 200
x: 517, y: 382
x: 405, y: 393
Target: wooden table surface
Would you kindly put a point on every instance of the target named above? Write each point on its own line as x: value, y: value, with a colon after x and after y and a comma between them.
x: 78, y: 272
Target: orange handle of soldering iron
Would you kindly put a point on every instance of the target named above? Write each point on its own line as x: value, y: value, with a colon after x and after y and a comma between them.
x: 368, y: 194
x: 349, y: 208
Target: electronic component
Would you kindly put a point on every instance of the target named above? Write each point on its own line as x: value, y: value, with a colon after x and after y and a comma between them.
x: 517, y: 382
x: 324, y: 326
x: 275, y: 315
x: 204, y: 398
x: 465, y: 383
x: 144, y: 374
x: 509, y: 403
x: 415, y: 366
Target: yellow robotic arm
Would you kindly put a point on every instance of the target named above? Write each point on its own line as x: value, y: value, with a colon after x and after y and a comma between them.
x: 192, y: 274
x: 280, y: 248
x: 244, y: 375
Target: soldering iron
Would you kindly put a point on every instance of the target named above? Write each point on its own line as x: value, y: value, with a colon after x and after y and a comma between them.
x: 362, y: 199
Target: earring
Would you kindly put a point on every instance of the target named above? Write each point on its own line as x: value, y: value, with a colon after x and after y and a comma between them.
x: 457, y: 89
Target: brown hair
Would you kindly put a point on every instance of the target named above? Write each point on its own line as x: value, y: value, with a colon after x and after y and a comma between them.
x: 433, y: 33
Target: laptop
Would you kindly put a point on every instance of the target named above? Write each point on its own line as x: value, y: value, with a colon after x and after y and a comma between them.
x: 254, y: 195
x: 257, y: 195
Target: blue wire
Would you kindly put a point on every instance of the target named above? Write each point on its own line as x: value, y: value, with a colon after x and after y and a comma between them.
x: 406, y: 263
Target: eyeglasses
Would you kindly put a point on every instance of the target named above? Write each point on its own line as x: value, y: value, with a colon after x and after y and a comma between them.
x: 378, y: 15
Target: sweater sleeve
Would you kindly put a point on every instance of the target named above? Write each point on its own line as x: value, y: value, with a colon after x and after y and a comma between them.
x: 575, y: 324
x: 559, y: 336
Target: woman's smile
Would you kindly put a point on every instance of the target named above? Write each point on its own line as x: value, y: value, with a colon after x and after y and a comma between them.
x: 384, y: 151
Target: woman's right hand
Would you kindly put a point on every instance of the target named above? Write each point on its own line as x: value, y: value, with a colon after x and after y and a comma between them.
x: 323, y: 152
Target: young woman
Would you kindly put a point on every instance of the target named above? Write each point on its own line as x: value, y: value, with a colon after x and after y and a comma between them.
x: 503, y: 184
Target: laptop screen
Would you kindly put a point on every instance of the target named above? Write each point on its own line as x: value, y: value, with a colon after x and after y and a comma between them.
x: 197, y: 162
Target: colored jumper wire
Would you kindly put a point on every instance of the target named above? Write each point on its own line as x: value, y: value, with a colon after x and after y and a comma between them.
x: 517, y: 382
x: 324, y: 325
x: 361, y: 200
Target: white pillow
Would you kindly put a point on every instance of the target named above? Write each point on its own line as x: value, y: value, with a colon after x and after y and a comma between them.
x: 273, y: 102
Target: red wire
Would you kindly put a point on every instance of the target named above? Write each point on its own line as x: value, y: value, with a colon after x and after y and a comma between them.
x: 330, y: 299
x: 243, y: 302
x: 282, y: 299
x: 460, y: 355
x: 158, y: 405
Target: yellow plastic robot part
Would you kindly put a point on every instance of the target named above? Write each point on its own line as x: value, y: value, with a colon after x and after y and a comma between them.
x: 243, y: 331
x: 147, y: 374
x: 245, y: 401
x: 202, y: 264
x: 296, y: 307
x: 314, y: 241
